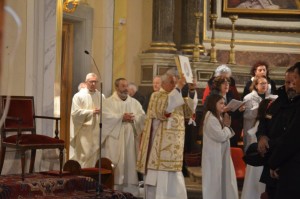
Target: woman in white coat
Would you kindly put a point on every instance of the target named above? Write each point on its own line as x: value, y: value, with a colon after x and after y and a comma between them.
x: 252, y: 188
x: 258, y: 89
x: 218, y: 174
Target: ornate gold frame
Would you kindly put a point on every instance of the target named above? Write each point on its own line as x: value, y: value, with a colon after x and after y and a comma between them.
x: 270, y: 16
x: 227, y: 9
x: 221, y: 25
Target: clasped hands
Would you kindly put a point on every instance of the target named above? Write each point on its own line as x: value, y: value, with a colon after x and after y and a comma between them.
x: 96, y: 111
x: 128, y: 117
x: 227, y: 120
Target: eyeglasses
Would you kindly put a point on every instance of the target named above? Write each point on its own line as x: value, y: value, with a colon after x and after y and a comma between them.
x: 226, y: 82
x: 92, y: 82
x: 263, y: 83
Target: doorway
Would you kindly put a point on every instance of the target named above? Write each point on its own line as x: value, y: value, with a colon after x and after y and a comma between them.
x: 66, y: 81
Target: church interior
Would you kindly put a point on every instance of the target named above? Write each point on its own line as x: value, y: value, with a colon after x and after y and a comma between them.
x: 48, y: 47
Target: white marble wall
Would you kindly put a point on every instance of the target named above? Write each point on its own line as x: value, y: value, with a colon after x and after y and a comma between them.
x: 49, y: 63
x: 40, y: 77
x: 103, y: 29
x: 93, y: 32
x: 82, y: 19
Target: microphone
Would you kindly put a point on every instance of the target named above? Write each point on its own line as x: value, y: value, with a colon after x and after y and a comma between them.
x: 99, y: 188
x: 88, y: 53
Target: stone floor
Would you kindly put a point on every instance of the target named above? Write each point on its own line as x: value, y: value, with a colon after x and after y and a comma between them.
x: 193, y: 190
x: 193, y: 184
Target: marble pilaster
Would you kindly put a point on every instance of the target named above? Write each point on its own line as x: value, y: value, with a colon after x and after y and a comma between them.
x: 49, y: 63
x: 188, y: 27
x: 163, y: 26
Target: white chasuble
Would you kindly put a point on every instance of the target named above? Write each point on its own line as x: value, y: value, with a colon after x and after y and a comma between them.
x: 120, y: 139
x: 84, y: 128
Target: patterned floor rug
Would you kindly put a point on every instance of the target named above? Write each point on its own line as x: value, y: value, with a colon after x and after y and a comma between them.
x: 45, y: 186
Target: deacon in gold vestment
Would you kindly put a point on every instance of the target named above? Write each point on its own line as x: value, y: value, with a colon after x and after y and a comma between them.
x: 160, y: 154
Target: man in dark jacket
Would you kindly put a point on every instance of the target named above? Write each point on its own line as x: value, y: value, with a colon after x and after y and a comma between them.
x: 133, y: 92
x: 285, y: 159
x: 273, y: 126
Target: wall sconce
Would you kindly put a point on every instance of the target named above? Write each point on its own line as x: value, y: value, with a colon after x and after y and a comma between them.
x: 70, y: 5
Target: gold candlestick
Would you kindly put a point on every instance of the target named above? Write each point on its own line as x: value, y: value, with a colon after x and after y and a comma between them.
x: 233, y: 18
x: 213, y: 52
x: 196, y: 51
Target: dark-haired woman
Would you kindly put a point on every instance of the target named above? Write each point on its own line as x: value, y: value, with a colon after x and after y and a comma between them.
x: 260, y: 69
x: 221, y: 86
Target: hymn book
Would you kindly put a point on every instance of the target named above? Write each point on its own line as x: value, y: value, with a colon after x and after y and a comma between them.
x: 234, y: 104
x: 184, y: 67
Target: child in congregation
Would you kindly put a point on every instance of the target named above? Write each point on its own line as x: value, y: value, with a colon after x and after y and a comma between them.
x: 218, y: 174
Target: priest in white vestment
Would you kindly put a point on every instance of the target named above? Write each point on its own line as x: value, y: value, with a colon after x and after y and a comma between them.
x: 84, y: 124
x: 123, y: 121
x: 160, y: 155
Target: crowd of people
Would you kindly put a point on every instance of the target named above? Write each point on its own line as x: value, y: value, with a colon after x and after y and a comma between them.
x: 146, y: 134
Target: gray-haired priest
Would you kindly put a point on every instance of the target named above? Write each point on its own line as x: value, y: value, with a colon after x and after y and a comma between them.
x: 160, y: 155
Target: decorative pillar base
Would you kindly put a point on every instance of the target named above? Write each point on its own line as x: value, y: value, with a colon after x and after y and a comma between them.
x: 213, y: 55
x: 188, y: 49
x: 162, y: 47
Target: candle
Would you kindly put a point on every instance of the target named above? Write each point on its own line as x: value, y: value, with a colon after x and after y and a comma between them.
x: 213, y: 6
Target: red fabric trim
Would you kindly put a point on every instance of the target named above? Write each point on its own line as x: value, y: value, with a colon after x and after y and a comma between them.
x: 194, y: 116
x: 269, y: 104
x: 167, y: 115
x: 205, y: 93
x: 30, y: 139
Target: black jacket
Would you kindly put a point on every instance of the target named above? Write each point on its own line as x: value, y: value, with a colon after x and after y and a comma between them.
x: 273, y: 126
x: 286, y: 155
x: 139, y: 97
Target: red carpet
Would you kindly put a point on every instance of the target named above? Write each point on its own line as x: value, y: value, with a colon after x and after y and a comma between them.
x: 49, y: 186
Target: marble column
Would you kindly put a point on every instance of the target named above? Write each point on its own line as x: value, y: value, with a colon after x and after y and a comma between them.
x: 163, y: 26
x: 188, y: 29
x: 1, y: 30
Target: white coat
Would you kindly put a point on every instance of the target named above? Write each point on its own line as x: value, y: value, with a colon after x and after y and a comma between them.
x: 250, y: 114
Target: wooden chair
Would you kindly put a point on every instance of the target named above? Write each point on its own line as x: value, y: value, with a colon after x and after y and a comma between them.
x: 238, y: 162
x: 19, y: 131
x: 107, y: 171
x: 239, y: 165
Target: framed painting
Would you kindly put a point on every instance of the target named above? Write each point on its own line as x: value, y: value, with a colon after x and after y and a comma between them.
x: 271, y: 7
x: 282, y: 18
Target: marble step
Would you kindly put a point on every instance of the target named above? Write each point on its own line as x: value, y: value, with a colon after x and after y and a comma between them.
x: 195, y: 174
